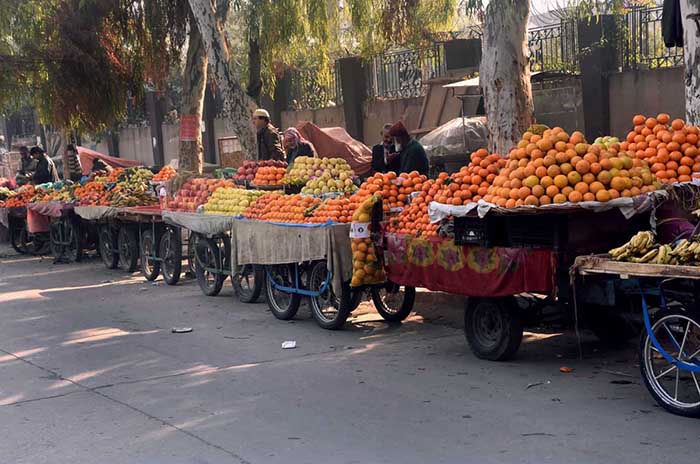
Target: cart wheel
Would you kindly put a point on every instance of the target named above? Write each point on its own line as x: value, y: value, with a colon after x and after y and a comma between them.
x: 170, y: 251
x: 150, y: 267
x: 191, y: 254
x: 329, y: 310
x: 108, y: 247
x: 493, y: 327
x: 248, y: 282
x: 19, y: 239
x: 209, y: 266
x: 69, y: 234
x: 282, y: 304
x: 676, y: 389
x: 128, y: 246
x: 354, y: 295
x: 393, y: 302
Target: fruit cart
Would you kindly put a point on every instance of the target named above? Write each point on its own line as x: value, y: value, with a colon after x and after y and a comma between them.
x: 69, y: 236
x: 669, y: 350
x: 210, y: 245
x: 311, y: 261
x: 495, y: 259
x: 23, y: 241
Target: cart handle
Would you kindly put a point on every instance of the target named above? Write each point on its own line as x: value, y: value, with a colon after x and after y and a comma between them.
x: 655, y: 342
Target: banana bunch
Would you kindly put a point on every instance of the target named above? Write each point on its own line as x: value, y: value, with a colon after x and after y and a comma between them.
x: 639, y: 245
x: 130, y: 198
x: 641, y: 249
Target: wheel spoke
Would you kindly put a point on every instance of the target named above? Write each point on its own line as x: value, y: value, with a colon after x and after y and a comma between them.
x: 675, y: 342
x: 685, y: 336
x: 675, y: 394
x: 657, y: 377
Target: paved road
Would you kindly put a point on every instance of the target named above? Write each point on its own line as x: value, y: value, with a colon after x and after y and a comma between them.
x: 90, y: 372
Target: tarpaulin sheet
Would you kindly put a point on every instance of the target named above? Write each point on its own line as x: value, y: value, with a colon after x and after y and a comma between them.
x: 335, y: 142
x: 258, y: 242
x: 87, y: 156
x: 439, y: 265
x: 96, y: 213
x: 53, y: 209
x: 207, y: 224
x: 459, y: 136
x: 628, y: 206
x: 37, y: 223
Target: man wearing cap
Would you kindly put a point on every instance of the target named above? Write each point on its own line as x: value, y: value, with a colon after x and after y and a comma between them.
x: 269, y: 145
x: 412, y: 156
x: 45, y: 169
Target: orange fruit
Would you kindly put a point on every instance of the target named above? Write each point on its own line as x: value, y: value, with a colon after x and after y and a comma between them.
x: 602, y: 195
x: 575, y: 197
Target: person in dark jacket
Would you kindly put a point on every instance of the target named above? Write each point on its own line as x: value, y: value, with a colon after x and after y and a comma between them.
x: 296, y: 145
x: 45, y: 168
x: 269, y: 146
x: 27, y: 166
x: 411, y: 153
x: 384, y: 156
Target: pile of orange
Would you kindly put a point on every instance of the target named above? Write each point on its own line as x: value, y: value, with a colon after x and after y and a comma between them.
x: 296, y: 209
x: 269, y: 175
x: 113, y: 176
x: 259, y: 206
x: 366, y: 266
x: 394, y: 189
x: 672, y: 148
x: 471, y: 183
x: 24, y: 196
x: 332, y: 209
x: 165, y: 174
x: 92, y: 194
x: 557, y: 167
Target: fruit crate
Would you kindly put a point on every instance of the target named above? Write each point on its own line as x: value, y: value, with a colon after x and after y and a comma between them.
x: 472, y: 230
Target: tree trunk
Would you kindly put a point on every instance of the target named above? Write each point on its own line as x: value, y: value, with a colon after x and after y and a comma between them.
x: 254, y: 71
x: 194, y: 86
x: 505, y: 73
x: 691, y: 53
x: 237, y: 105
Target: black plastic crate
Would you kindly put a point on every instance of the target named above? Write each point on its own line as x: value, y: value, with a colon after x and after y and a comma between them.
x: 474, y: 231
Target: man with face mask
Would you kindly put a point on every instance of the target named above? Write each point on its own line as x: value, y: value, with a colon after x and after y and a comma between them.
x: 384, y: 156
x: 411, y: 153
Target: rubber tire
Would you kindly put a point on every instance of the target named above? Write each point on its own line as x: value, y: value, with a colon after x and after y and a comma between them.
x: 128, y: 246
x: 344, y: 305
x: 507, y: 310
x: 73, y: 252
x: 19, y: 239
x: 290, y: 311
x: 258, y: 283
x: 171, y: 239
x: 687, y: 412
x: 149, y: 270
x: 108, y: 244
x: 204, y: 244
x: 78, y: 242
x: 406, y: 305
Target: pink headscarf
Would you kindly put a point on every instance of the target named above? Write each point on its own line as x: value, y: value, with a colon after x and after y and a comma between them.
x: 293, y: 134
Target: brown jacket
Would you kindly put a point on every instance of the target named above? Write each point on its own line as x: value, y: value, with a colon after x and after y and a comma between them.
x: 269, y: 144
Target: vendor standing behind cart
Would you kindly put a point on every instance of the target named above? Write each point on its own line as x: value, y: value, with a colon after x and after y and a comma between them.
x: 45, y: 168
x: 384, y: 156
x: 72, y: 169
x: 269, y: 146
x: 27, y: 166
x: 296, y: 145
x: 411, y: 153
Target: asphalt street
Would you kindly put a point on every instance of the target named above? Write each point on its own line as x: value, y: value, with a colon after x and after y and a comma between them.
x: 90, y: 371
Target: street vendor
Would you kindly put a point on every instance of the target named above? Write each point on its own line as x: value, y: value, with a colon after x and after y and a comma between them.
x: 27, y: 166
x: 72, y: 169
x: 384, y: 156
x: 100, y: 166
x: 45, y: 167
x: 269, y: 146
x: 412, y: 155
x: 296, y: 145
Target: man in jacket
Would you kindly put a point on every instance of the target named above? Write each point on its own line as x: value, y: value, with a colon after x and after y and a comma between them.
x: 411, y: 153
x: 269, y: 145
x: 384, y: 156
x: 45, y: 168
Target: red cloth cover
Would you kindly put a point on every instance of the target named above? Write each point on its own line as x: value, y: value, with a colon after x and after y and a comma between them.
x: 87, y: 156
x: 439, y: 265
x: 335, y: 142
x: 53, y: 209
x: 36, y: 222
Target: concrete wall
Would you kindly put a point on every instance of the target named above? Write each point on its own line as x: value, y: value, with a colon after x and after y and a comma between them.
x: 135, y: 144
x: 324, y: 117
x: 559, y: 102
x: 647, y: 92
x: 379, y: 112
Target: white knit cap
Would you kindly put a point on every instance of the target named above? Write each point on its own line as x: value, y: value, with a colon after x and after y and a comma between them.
x: 261, y: 113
